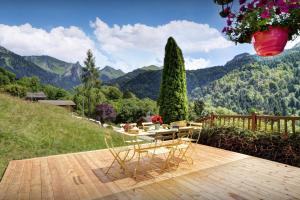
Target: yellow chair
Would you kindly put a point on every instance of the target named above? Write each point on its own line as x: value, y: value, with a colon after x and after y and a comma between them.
x: 181, y: 123
x: 184, y: 137
x: 156, y: 148
x: 120, y: 154
x: 164, y: 144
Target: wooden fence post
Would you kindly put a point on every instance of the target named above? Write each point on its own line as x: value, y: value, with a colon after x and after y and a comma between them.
x: 254, y: 121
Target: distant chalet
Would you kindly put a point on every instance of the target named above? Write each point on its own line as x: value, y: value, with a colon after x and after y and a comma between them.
x: 63, y: 103
x: 35, y: 96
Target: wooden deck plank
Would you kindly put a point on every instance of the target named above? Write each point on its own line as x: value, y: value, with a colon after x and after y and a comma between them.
x: 35, y: 180
x: 56, y: 180
x: 24, y: 192
x: 7, y: 178
x: 46, y: 181
x: 68, y: 179
x: 215, y: 174
x: 83, y: 179
x: 14, y: 187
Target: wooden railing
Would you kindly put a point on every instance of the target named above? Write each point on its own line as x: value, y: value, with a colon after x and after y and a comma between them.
x: 254, y: 122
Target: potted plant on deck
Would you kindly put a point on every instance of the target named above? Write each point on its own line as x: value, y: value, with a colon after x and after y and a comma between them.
x: 268, y: 23
x: 157, y: 121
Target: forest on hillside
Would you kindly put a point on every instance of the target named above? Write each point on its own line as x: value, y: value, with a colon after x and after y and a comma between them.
x: 269, y: 86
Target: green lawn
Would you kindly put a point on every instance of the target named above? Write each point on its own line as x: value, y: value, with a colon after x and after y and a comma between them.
x: 31, y: 129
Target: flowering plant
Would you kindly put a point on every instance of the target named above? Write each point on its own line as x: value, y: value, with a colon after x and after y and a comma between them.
x: 126, y: 127
x: 259, y: 15
x: 156, y: 119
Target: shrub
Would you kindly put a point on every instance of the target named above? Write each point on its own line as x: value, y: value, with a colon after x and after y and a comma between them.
x: 16, y: 90
x: 105, y: 112
x: 131, y: 110
x: 269, y: 146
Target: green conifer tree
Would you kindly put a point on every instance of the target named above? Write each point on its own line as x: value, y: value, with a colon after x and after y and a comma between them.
x: 172, y: 102
x: 90, y: 78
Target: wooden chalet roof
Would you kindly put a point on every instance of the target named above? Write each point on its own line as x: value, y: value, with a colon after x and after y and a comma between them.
x: 35, y: 95
x: 58, y: 102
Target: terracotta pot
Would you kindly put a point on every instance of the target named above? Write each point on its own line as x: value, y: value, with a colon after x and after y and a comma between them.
x: 270, y: 42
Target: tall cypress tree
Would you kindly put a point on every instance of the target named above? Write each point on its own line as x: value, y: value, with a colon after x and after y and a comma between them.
x: 173, y: 103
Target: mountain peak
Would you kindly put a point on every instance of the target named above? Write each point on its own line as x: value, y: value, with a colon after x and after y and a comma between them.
x: 4, y: 50
x: 241, y: 56
x: 107, y: 73
x: 151, y: 67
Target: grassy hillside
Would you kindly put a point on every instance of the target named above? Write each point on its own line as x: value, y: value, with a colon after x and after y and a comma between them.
x: 31, y: 129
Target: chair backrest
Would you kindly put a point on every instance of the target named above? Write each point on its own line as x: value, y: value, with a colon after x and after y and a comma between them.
x: 195, y: 124
x: 165, y: 135
x: 178, y: 123
x: 109, y: 143
x: 185, y: 132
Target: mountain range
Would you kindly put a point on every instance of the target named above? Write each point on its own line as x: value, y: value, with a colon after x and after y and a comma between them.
x: 143, y: 82
x: 50, y: 70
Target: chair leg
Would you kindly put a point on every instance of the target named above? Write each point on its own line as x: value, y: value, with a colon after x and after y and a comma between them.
x: 110, y: 166
x: 137, y: 166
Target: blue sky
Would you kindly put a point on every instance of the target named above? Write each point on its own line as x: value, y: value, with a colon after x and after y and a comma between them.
x: 124, y: 34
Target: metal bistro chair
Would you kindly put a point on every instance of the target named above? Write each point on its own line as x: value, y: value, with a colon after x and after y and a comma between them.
x: 185, y: 142
x: 120, y: 154
x: 164, y: 144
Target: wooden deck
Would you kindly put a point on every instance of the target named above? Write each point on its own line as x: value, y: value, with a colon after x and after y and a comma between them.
x: 215, y: 174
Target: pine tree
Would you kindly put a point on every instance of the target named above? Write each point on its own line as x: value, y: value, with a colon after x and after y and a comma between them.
x: 172, y: 102
x: 90, y: 77
x: 90, y: 74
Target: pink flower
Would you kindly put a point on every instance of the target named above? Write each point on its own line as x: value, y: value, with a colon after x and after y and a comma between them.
x: 250, y: 6
x: 284, y: 9
x: 262, y: 3
x: 270, y: 4
x: 265, y: 14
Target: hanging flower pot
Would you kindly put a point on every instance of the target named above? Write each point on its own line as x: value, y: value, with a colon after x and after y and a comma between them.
x: 270, y: 42
x: 263, y: 22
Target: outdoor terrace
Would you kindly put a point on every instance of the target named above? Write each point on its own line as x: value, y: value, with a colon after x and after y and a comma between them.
x: 215, y: 174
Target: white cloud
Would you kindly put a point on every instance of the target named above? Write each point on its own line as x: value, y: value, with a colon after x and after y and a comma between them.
x: 192, y: 64
x: 126, y: 47
x: 292, y: 43
x: 68, y: 44
x: 139, y: 45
